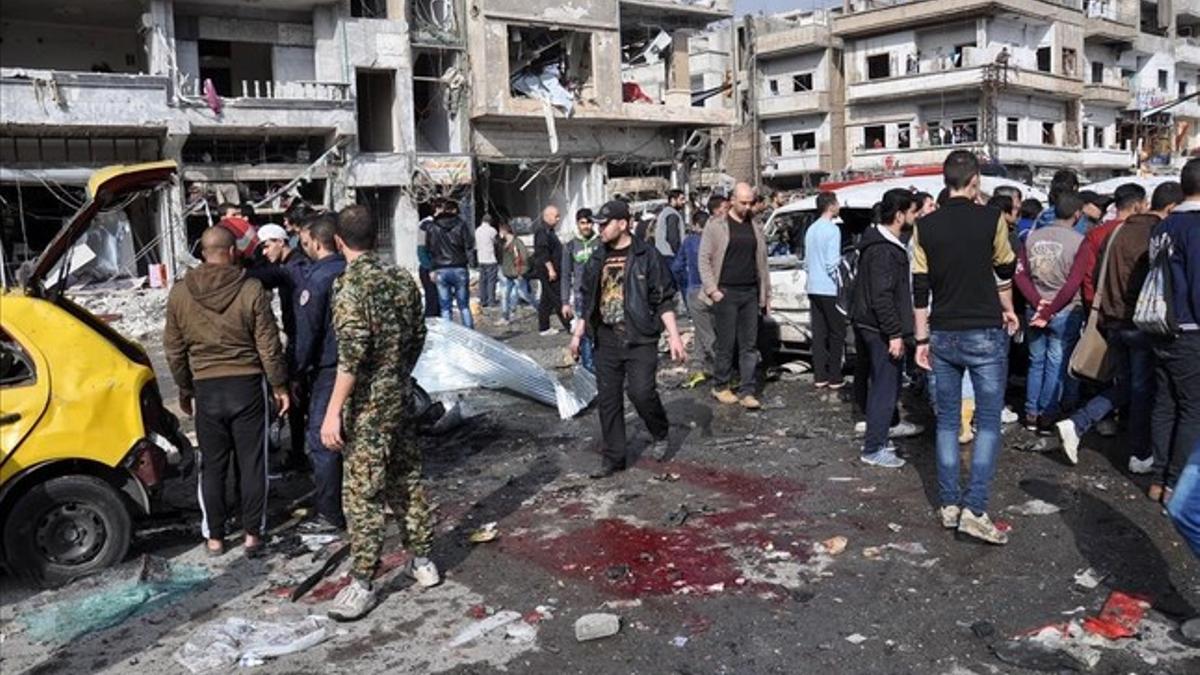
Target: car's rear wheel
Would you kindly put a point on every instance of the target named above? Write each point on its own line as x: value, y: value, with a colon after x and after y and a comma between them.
x: 66, y: 528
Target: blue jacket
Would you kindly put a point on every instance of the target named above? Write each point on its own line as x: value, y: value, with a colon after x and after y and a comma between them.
x: 1047, y: 218
x: 316, y: 344
x: 686, y: 264
x: 285, y: 276
x: 1183, y: 229
x: 822, y: 255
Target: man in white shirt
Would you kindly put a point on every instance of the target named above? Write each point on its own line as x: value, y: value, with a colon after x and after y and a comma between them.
x: 485, y: 250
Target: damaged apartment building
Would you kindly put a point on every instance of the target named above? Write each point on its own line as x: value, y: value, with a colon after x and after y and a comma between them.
x: 1105, y: 87
x: 577, y: 101
x: 260, y: 104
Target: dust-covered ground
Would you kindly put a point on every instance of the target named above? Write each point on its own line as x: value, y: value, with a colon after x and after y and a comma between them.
x: 723, y: 559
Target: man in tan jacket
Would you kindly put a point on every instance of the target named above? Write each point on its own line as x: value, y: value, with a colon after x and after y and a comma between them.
x: 736, y: 283
x: 220, y: 342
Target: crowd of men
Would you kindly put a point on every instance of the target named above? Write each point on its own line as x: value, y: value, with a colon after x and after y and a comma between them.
x: 1100, y: 297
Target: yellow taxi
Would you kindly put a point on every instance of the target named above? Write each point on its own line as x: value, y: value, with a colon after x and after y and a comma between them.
x: 83, y: 431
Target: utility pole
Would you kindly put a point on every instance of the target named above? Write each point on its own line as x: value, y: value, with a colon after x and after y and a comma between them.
x: 995, y: 79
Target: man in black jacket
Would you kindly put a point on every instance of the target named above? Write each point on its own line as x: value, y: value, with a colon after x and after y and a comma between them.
x: 543, y: 266
x: 629, y: 297
x: 883, y: 318
x: 451, y: 245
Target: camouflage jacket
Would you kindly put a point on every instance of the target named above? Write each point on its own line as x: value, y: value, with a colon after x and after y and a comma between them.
x: 380, y: 327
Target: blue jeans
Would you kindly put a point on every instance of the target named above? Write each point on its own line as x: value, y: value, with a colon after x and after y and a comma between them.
x: 1049, y: 352
x: 1184, y: 507
x: 587, y: 348
x: 1134, y: 385
x: 454, y: 286
x: 983, y: 354
x: 513, y: 291
x: 327, y: 465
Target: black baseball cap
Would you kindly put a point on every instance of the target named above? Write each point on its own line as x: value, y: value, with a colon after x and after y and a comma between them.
x: 613, y: 210
x: 1098, y: 200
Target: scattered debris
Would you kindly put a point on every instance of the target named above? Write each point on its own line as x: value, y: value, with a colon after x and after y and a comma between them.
x: 222, y: 644
x: 456, y: 358
x: 1119, y: 618
x: 109, y: 598
x: 679, y: 641
x: 679, y: 516
x: 1034, y: 507
x: 834, y: 545
x: 1088, y: 578
x: 983, y: 629
x: 316, y: 542
x: 623, y: 604
x: 841, y: 479
x: 521, y: 631
x: 483, y: 627
x: 484, y: 534
x: 665, y: 478
x: 596, y: 626
x: 856, y: 638
x: 895, y: 527
x: 867, y: 490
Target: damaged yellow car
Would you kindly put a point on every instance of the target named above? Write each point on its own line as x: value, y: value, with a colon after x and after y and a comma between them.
x: 83, y: 432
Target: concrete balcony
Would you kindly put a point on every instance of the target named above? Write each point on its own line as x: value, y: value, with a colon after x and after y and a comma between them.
x: 794, y: 40
x: 1187, y: 50
x: 959, y: 80
x: 1107, y: 94
x: 1105, y: 158
x: 715, y: 9
x: 1039, y: 155
x: 1111, y: 20
x: 631, y: 114
x: 1189, y: 109
x: 786, y: 105
x: 298, y: 107
x: 59, y: 100
x: 875, y: 17
x: 800, y: 163
x: 885, y: 158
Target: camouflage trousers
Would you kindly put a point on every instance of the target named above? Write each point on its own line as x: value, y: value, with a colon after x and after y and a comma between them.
x: 383, y: 466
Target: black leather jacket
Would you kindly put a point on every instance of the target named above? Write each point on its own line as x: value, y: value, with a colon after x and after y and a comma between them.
x: 449, y: 240
x: 649, y: 292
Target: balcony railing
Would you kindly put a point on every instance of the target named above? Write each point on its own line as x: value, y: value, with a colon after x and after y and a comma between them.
x: 868, y: 5
x: 300, y: 90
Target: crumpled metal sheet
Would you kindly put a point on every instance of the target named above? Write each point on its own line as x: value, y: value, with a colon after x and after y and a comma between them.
x: 461, y: 358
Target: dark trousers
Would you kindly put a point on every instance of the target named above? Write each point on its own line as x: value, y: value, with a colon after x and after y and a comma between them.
x: 828, y: 338
x: 550, y: 303
x: 433, y: 306
x: 862, y: 377
x: 1175, y: 422
x: 231, y: 424
x: 735, y: 320
x: 626, y: 369
x: 883, y: 387
x: 296, y: 424
x: 487, y: 283
x: 327, y: 465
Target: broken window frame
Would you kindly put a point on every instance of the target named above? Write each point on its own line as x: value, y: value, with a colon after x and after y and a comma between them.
x: 1012, y: 129
x: 903, y: 136
x: 872, y: 133
x: 798, y: 82
x: 577, y: 74
x: 775, y: 143
x: 451, y: 102
x: 1048, y: 131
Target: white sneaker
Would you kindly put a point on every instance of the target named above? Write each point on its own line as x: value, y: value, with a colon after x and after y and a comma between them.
x: 905, y: 430
x: 1069, y: 438
x: 1107, y: 427
x: 1141, y: 466
x: 950, y: 516
x: 981, y: 527
x: 425, y: 572
x: 1007, y: 416
x: 548, y: 332
x: 352, y: 602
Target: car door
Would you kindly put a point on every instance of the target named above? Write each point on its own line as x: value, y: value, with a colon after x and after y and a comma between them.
x: 24, y: 390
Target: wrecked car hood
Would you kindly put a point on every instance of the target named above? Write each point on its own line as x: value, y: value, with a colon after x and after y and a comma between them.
x: 104, y: 188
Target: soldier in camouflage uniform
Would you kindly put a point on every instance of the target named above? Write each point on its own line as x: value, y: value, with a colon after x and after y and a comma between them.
x: 378, y: 319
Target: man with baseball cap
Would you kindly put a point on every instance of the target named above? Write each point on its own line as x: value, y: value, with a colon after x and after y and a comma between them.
x: 628, y: 299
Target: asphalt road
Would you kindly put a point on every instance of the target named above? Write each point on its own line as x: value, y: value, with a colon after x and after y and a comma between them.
x: 712, y: 559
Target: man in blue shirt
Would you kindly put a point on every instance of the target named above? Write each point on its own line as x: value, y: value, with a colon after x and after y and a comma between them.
x: 822, y: 255
x: 686, y: 267
x: 316, y: 362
